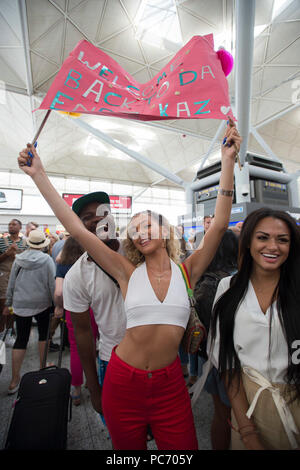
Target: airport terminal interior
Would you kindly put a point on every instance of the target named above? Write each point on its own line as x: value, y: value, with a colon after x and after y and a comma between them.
x: 162, y: 148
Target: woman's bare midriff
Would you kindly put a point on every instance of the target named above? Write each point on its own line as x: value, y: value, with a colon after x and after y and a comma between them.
x: 150, y: 347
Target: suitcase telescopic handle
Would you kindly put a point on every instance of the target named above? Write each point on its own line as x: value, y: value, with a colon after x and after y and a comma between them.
x: 47, y: 342
x: 49, y: 367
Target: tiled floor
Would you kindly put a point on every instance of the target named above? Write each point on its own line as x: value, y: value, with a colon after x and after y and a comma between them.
x: 86, y: 431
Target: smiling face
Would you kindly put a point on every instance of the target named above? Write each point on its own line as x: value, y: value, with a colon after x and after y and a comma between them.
x: 146, y: 233
x: 270, y: 244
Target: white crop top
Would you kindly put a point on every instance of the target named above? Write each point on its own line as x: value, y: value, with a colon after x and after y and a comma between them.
x: 142, y: 307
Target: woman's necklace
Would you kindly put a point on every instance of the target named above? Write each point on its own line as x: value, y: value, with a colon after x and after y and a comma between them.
x: 158, y: 277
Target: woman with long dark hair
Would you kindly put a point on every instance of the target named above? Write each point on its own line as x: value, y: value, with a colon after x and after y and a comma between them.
x: 254, y: 332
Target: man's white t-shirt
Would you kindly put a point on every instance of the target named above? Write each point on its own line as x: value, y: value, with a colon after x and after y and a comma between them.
x: 86, y: 285
x: 251, y: 337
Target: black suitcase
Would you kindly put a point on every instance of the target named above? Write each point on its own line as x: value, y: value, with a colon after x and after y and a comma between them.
x: 42, y: 409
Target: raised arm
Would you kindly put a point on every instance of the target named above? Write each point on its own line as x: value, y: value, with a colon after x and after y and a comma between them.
x: 200, y: 259
x: 113, y: 263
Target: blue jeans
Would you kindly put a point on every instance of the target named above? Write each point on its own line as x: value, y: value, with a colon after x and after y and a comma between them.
x: 186, y: 358
x: 102, y: 365
x: 214, y: 385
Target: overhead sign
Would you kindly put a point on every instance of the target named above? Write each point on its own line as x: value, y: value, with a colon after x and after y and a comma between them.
x: 118, y: 204
x: 11, y: 199
x: 191, y: 86
x: 71, y: 198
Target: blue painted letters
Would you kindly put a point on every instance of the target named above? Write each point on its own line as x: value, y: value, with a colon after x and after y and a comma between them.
x: 56, y: 99
x: 73, y: 79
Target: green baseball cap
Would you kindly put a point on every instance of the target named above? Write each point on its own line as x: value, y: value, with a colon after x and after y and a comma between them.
x: 81, y: 202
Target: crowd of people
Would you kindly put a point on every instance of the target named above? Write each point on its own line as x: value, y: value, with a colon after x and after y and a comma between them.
x: 126, y: 308
x: 13, y: 242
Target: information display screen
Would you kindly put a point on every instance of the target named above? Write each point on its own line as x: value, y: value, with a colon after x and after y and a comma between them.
x: 11, y: 199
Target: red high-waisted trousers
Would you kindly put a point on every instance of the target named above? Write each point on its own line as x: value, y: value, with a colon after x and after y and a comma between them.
x: 133, y: 398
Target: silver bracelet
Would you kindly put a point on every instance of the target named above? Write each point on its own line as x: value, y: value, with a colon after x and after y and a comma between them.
x: 225, y: 192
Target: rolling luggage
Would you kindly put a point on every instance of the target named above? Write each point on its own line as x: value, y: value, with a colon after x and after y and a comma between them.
x: 42, y: 408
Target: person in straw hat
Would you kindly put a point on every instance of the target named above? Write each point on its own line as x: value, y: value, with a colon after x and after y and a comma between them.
x: 30, y: 292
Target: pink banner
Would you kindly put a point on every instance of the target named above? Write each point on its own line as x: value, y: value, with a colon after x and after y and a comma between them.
x: 191, y: 86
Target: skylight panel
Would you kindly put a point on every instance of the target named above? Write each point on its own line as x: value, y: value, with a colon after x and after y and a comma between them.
x: 279, y: 6
x: 157, y: 23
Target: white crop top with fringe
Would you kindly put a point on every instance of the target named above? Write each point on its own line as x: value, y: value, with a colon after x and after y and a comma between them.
x: 142, y: 307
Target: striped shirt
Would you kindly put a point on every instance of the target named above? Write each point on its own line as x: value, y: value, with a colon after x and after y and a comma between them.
x: 21, y: 244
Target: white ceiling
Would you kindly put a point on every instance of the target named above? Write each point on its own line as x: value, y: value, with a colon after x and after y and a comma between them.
x: 37, y: 35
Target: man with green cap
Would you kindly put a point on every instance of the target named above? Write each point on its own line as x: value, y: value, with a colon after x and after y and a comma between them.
x: 87, y: 285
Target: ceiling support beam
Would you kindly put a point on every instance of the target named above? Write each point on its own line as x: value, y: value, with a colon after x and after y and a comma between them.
x: 204, y: 182
x: 211, y: 146
x: 26, y: 47
x: 135, y: 155
x: 253, y: 171
x: 177, y: 130
x: 191, y: 163
x: 25, y: 43
x: 272, y: 175
x: 245, y: 16
x: 264, y: 144
x: 277, y: 115
x: 139, y: 193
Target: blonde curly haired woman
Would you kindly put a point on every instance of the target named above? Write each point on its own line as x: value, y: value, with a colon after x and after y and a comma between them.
x: 144, y: 384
